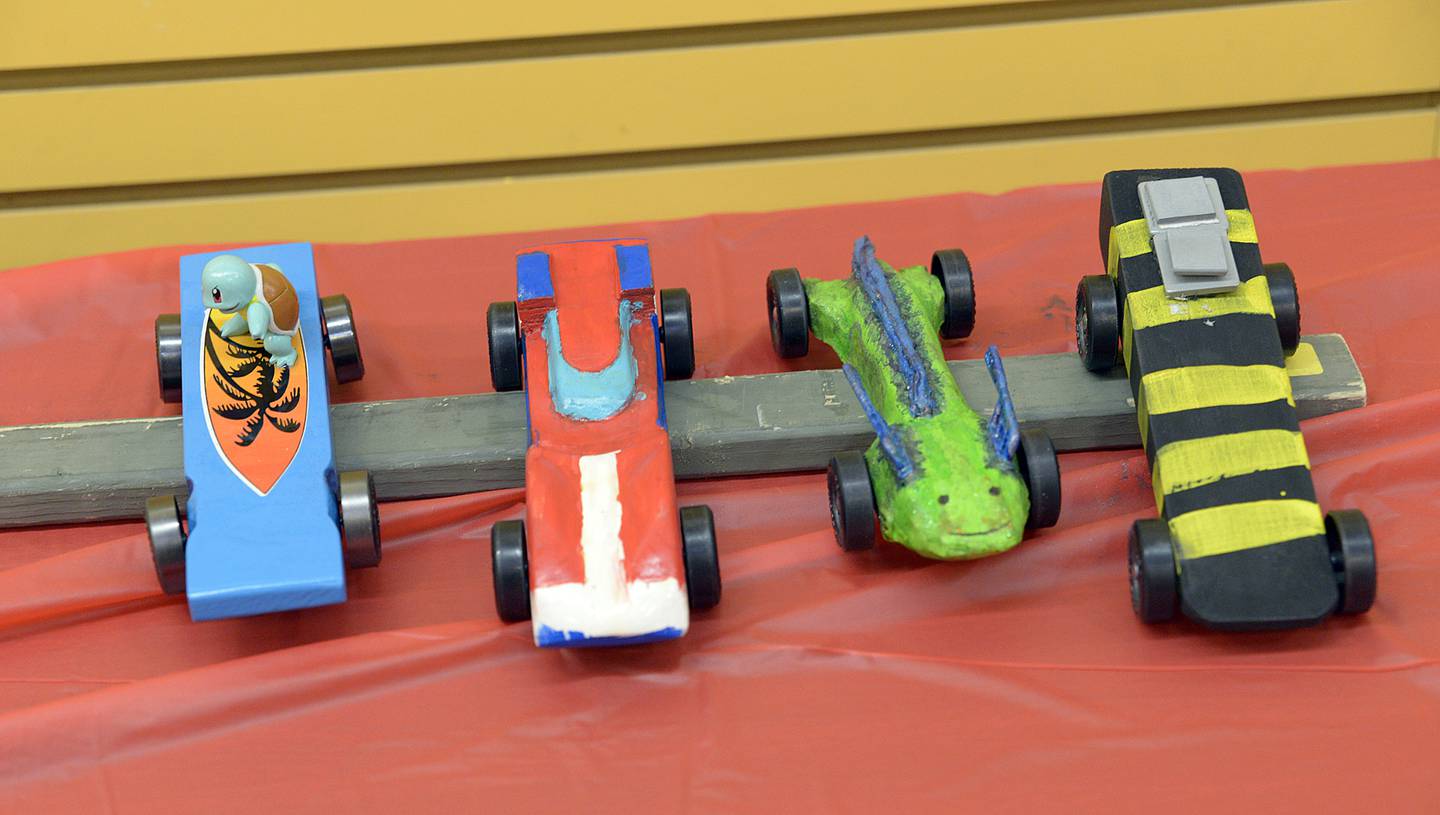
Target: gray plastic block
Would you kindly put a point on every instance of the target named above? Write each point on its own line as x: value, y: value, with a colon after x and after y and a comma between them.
x: 1191, y: 235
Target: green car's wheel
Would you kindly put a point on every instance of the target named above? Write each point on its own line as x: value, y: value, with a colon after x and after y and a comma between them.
x: 510, y: 571
x: 952, y: 269
x: 502, y: 329
x: 852, y: 502
x: 1352, y: 553
x: 1040, y: 468
x: 1286, y: 300
x: 789, y: 309
x: 1097, y: 322
x: 702, y: 557
x: 1154, y: 583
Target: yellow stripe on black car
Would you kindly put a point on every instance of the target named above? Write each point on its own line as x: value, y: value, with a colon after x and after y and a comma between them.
x: 1150, y: 307
x: 1233, y: 527
x: 1200, y: 386
x: 1132, y: 238
x: 1192, y: 463
x: 1214, y: 402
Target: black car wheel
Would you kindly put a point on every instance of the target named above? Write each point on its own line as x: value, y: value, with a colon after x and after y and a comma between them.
x: 1097, y: 322
x: 510, y: 565
x: 502, y: 329
x: 167, y: 356
x: 1352, y: 553
x: 789, y: 309
x: 702, y: 557
x: 1285, y: 298
x: 952, y: 269
x: 677, y: 334
x: 359, y: 519
x: 1154, y: 583
x: 341, y: 337
x: 167, y: 542
x: 852, y: 502
x: 1040, y: 468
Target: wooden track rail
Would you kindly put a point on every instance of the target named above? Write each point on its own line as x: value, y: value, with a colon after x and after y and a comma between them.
x: 417, y: 448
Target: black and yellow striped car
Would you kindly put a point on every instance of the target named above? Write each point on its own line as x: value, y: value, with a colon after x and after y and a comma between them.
x: 1203, y: 328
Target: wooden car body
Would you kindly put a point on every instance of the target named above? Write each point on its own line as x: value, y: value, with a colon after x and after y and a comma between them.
x: 604, y: 547
x: 1229, y: 467
x: 262, y: 511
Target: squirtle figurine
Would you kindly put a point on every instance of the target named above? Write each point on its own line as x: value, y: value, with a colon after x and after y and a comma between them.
x: 259, y: 298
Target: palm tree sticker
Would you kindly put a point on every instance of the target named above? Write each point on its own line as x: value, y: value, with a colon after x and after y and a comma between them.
x: 255, y: 408
x: 258, y: 402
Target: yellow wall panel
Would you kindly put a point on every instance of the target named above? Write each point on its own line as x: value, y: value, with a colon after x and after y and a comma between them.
x: 62, y: 33
x: 422, y: 210
x: 812, y: 89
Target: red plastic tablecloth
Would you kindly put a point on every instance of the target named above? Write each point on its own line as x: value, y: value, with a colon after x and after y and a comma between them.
x: 824, y: 681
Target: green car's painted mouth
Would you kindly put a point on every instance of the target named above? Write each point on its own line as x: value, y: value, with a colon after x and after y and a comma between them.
x: 991, y: 531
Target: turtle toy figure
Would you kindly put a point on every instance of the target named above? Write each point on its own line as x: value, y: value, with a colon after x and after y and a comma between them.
x: 259, y: 298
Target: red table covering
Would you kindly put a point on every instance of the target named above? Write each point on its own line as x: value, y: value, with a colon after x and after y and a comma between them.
x: 824, y: 681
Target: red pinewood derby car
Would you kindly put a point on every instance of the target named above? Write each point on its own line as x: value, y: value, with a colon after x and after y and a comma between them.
x: 607, y: 558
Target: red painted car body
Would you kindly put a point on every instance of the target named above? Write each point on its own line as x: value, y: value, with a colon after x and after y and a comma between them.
x: 604, y: 545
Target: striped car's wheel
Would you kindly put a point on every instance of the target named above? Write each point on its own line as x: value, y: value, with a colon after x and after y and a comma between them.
x: 1154, y: 583
x: 1352, y: 553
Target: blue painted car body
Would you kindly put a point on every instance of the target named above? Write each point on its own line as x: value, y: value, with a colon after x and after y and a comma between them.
x: 248, y: 553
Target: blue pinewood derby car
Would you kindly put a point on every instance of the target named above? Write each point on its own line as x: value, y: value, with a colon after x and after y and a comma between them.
x: 268, y: 525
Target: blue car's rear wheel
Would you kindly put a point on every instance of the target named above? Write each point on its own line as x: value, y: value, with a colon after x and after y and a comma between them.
x: 502, y: 329
x: 167, y: 542
x: 511, y: 571
x: 341, y: 337
x: 167, y: 356
x: 702, y: 557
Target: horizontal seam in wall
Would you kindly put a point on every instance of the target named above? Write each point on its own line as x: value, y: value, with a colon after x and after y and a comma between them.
x: 191, y: 70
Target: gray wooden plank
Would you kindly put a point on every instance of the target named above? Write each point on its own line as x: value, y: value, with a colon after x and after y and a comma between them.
x: 416, y: 448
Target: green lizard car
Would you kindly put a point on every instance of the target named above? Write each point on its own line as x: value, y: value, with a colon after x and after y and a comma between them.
x: 942, y: 480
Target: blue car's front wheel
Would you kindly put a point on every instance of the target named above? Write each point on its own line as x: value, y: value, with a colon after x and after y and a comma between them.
x: 167, y: 542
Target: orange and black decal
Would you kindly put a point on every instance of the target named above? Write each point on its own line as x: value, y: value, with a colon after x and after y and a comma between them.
x: 255, y: 410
